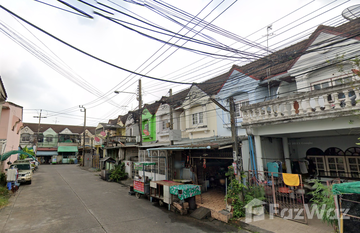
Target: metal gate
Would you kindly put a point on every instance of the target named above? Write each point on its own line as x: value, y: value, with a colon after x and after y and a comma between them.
x: 282, y: 200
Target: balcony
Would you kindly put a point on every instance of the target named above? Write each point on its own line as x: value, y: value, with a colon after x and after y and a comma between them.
x: 118, y: 140
x: 340, y: 100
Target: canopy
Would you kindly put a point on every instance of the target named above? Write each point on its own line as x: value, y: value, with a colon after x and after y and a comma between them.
x: 6, y: 155
x: 46, y: 153
x: 67, y: 149
x: 145, y: 163
x: 346, y: 188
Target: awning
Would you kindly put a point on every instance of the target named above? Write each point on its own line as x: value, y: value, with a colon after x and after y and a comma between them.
x: 46, y: 153
x: 67, y: 149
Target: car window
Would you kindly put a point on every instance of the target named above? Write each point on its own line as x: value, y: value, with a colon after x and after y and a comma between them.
x: 23, y: 166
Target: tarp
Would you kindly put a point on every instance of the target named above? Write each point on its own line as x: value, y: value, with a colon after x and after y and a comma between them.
x: 46, y: 153
x: 346, y: 188
x: 6, y: 155
x: 67, y: 149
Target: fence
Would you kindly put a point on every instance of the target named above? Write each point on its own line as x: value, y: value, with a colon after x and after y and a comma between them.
x: 282, y: 200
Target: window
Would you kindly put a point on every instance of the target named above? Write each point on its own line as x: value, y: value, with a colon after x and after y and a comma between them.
x: 201, y: 118
x: 198, y: 118
x: 330, y: 82
x: 164, y: 124
x: 238, y: 106
x: 25, y: 137
x: 195, y: 119
x: 146, y: 126
x: 49, y: 139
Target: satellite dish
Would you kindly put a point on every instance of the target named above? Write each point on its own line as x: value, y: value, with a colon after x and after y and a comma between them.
x: 352, y: 12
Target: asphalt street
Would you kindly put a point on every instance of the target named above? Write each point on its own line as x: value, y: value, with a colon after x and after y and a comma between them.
x: 67, y: 198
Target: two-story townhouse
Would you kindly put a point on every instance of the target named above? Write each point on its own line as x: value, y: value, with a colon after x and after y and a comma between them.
x: 56, y: 143
x: 149, y: 122
x: 10, y: 125
x: 314, y: 117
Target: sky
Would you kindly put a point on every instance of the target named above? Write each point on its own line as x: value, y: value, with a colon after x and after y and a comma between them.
x: 41, y: 72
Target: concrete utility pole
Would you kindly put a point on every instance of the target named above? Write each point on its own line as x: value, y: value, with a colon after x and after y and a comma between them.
x: 171, y: 118
x: 140, y: 113
x: 38, y: 132
x: 83, y: 109
x: 233, y: 129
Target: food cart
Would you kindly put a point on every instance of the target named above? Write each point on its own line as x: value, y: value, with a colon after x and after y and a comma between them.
x: 160, y: 190
x: 141, y: 184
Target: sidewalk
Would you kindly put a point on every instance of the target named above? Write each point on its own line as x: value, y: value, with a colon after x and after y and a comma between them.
x: 280, y: 225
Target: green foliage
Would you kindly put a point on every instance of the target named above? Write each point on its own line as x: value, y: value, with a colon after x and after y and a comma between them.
x: 2, y: 178
x: 72, y: 161
x: 118, y: 173
x: 27, y: 150
x: 240, y: 195
x: 4, y: 196
x: 322, y: 195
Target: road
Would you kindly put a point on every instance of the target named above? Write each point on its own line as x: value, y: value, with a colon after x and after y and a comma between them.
x: 67, y: 198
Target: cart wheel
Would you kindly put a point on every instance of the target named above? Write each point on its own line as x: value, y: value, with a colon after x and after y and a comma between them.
x: 161, y: 202
x: 138, y: 195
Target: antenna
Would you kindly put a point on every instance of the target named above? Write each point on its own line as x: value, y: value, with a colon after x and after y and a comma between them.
x: 352, y: 12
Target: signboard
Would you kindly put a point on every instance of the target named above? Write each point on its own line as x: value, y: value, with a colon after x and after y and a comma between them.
x: 97, y: 139
x: 234, y: 156
x: 146, y: 132
x: 103, y: 133
x: 138, y: 167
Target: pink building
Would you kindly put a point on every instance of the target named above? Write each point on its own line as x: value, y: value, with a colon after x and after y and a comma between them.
x: 10, y: 124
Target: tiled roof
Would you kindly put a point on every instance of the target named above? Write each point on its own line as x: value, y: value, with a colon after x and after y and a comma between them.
x: 59, y: 128
x: 152, y: 108
x: 123, y: 118
x: 113, y: 121
x: 282, y: 60
x: 213, y: 85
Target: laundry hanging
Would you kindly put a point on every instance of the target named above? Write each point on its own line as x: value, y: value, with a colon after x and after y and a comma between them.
x: 291, y: 179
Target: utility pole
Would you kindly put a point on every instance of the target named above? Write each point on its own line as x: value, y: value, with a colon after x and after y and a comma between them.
x: 171, y: 118
x: 140, y: 113
x: 38, y: 132
x: 83, y: 109
x: 233, y: 129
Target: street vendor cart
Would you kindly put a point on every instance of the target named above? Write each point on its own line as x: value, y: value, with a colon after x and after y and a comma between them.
x: 160, y: 190
x: 142, y: 184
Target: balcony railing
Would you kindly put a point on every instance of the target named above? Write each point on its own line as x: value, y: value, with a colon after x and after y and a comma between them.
x: 114, y: 141
x: 325, y: 103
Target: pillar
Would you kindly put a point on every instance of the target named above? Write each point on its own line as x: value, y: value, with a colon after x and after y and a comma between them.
x: 285, y: 143
x: 258, y: 152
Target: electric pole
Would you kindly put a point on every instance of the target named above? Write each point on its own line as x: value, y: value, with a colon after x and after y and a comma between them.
x: 38, y: 132
x: 171, y: 118
x: 140, y: 113
x: 83, y: 109
x: 233, y: 129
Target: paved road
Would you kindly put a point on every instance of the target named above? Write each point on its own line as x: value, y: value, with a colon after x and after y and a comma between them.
x: 66, y: 198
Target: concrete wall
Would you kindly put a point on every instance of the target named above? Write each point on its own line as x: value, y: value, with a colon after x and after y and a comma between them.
x: 7, y: 132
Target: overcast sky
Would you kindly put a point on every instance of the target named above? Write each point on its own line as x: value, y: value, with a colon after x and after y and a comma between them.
x: 40, y: 72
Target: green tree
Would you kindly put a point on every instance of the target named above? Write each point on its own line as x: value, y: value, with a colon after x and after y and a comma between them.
x: 27, y: 150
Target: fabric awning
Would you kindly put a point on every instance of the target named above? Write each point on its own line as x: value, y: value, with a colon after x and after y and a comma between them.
x: 67, y: 149
x: 46, y: 153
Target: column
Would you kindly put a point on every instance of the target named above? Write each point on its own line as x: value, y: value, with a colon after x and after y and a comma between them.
x: 258, y: 153
x: 285, y: 143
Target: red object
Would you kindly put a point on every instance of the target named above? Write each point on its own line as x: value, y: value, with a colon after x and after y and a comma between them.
x: 146, y: 132
x: 139, y: 186
x: 97, y: 139
x: 103, y: 133
x: 204, y: 164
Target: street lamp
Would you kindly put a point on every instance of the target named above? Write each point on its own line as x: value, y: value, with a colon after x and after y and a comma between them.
x: 140, y: 106
x: 83, y: 109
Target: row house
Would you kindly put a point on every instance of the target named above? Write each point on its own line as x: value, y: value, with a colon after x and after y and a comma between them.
x: 300, y: 104
x: 56, y: 143
x: 11, y: 116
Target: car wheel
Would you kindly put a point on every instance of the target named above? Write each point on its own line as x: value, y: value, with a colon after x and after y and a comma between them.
x: 29, y: 182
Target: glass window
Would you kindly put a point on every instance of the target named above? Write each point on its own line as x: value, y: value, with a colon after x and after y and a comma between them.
x: 317, y: 86
x: 195, y: 119
x: 25, y: 137
x: 49, y: 139
x: 201, y: 117
x: 325, y: 85
x: 237, y: 110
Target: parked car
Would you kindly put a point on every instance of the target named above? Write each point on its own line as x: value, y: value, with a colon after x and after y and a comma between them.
x: 33, y: 161
x: 25, y: 171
